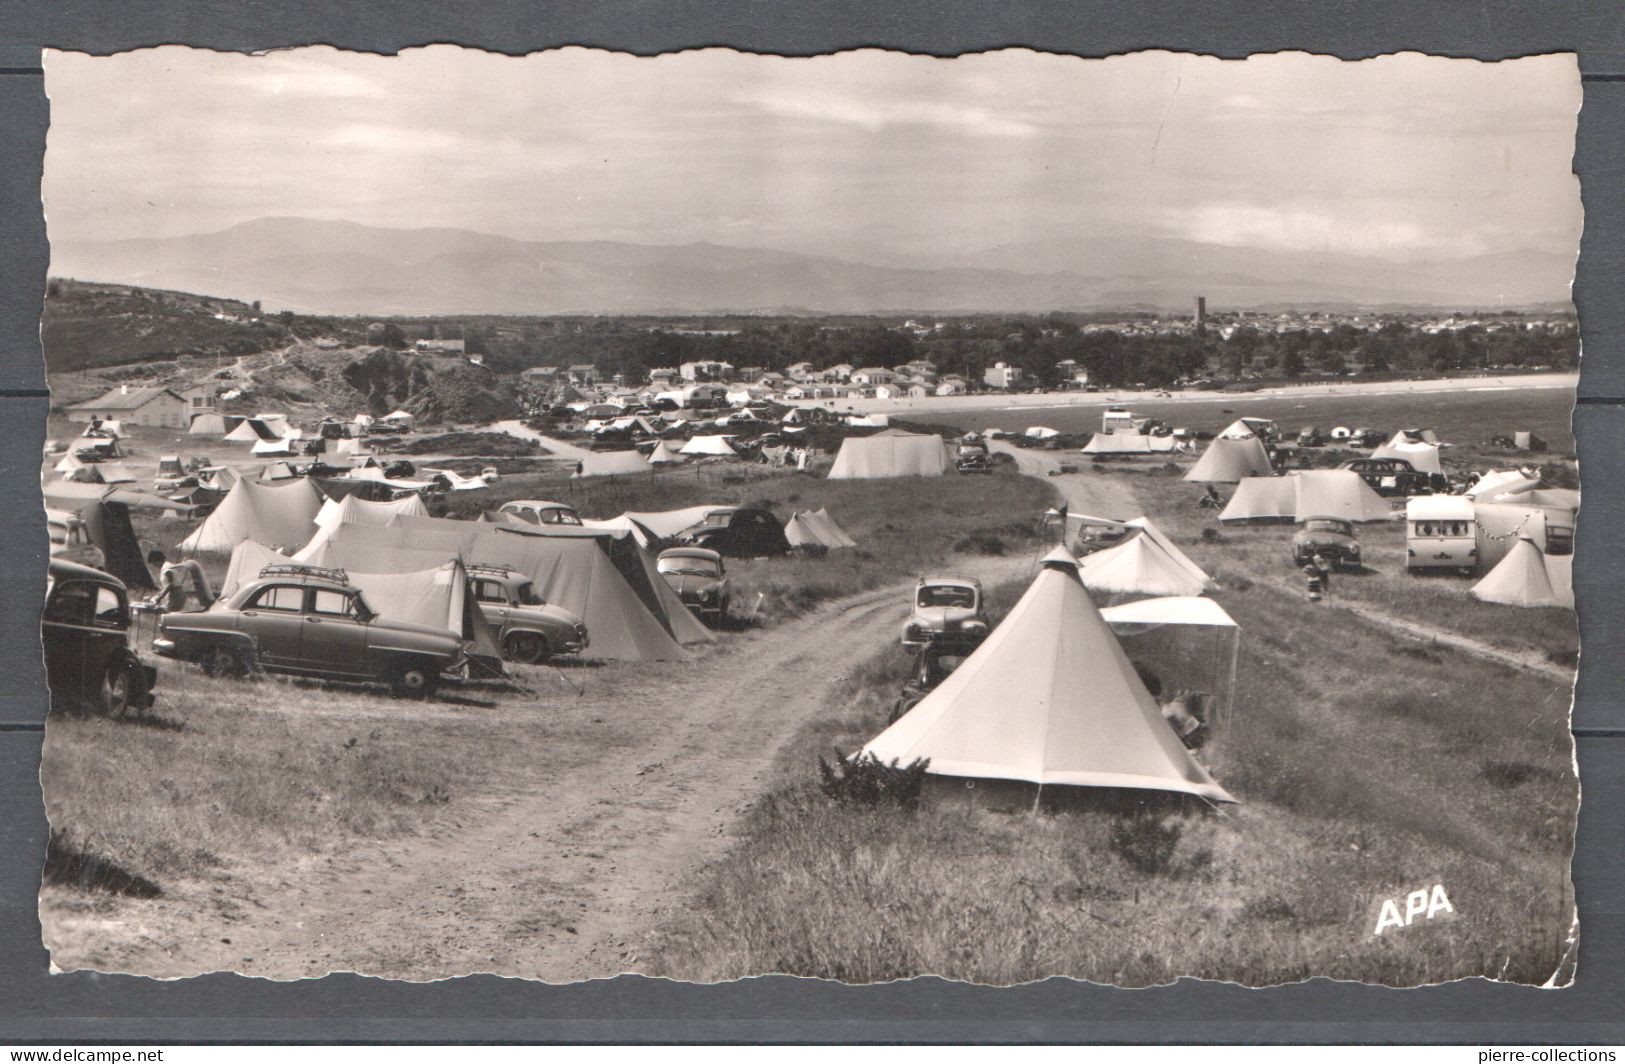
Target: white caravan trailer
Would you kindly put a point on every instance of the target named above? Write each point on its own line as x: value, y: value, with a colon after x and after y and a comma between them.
x: 1439, y: 533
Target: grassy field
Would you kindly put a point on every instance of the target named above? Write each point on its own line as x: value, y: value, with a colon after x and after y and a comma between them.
x: 1366, y: 764
x: 226, y: 771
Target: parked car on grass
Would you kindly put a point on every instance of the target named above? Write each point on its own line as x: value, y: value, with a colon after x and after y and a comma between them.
x: 700, y: 580
x: 973, y: 462
x: 1330, y: 537
x: 86, y: 633
x: 945, y: 606
x: 529, y: 629
x: 542, y: 512
x: 1396, y: 477
x: 933, y: 663
x: 310, y: 621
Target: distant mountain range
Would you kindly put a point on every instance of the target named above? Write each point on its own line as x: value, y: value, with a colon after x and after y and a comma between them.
x: 329, y: 267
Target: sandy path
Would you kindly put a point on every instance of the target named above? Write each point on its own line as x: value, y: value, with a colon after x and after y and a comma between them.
x: 560, y: 874
x: 1103, y: 496
x: 559, y: 448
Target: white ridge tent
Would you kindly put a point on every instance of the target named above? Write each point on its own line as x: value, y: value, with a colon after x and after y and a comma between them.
x: 1423, y: 457
x: 1525, y: 578
x: 657, y: 524
x: 1187, y: 658
x: 815, y: 528
x: 890, y: 454
x: 1128, y: 443
x: 707, y: 446
x: 1140, y: 566
x: 1310, y: 493
x: 1230, y: 460
x: 1048, y: 699
x: 286, y: 445
x: 664, y: 454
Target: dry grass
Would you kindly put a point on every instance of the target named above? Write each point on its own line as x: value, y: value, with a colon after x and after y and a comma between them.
x: 1366, y: 764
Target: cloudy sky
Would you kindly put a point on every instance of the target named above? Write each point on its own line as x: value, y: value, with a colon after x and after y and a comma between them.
x: 869, y: 154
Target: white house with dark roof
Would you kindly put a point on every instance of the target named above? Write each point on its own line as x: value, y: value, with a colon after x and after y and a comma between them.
x: 155, y: 407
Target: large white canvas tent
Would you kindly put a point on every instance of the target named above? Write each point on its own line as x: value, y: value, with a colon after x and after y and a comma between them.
x: 1500, y: 482
x: 1524, y: 577
x: 613, y: 464
x: 1230, y: 460
x: 709, y: 446
x: 1128, y: 443
x: 1423, y: 456
x: 1140, y: 566
x: 1048, y: 699
x: 354, y: 510
x: 1310, y: 493
x: 570, y: 571
x: 816, y: 528
x: 890, y: 454
x: 277, y: 514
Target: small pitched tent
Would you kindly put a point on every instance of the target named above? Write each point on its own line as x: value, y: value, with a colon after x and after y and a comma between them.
x: 1048, y: 699
x: 206, y: 425
x: 1128, y: 444
x: 1140, y: 566
x: 276, y: 514
x: 664, y: 454
x: 709, y: 446
x: 613, y: 464
x: 1500, y: 482
x: 1230, y: 460
x: 574, y: 572
x: 106, y: 514
x: 1337, y: 493
x: 890, y: 454
x: 1423, y: 456
x: 352, y: 509
x: 1523, y: 578
x: 816, y: 528
x: 1310, y: 493
x: 1262, y: 499
x: 280, y: 447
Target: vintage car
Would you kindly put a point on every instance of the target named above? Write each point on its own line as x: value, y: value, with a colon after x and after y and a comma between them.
x: 86, y: 633
x: 973, y: 462
x: 700, y: 580
x: 70, y: 538
x: 1330, y: 537
x: 1395, y: 477
x: 310, y: 621
x: 528, y: 628
x: 1441, y: 533
x: 541, y: 512
x: 945, y: 607
x: 933, y: 663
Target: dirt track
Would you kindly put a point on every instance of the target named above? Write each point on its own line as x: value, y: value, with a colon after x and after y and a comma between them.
x: 561, y: 874
x: 1104, y: 497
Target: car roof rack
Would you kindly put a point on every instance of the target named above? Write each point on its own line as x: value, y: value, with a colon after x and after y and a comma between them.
x: 337, y: 576
x: 491, y: 568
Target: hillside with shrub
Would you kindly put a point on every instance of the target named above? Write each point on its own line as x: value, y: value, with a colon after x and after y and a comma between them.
x: 87, y: 325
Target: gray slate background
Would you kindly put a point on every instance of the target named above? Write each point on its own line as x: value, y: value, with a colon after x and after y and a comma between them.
x: 37, y: 1006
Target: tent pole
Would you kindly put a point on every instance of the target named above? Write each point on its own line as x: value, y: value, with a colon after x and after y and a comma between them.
x: 1230, y: 693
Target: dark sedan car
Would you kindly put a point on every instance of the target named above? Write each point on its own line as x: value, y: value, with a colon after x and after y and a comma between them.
x: 310, y: 621
x: 1330, y: 537
x: 86, y: 632
x: 698, y: 577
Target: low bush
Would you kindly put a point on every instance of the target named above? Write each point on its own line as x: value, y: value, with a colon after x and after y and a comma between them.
x: 867, y: 780
x: 1146, y: 842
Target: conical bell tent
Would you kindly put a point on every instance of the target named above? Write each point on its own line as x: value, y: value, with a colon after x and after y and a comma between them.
x: 1049, y: 699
